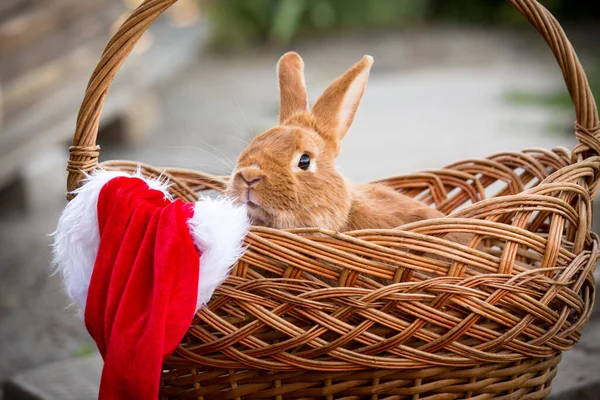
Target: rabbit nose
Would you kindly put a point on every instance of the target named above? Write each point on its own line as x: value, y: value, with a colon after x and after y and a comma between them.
x: 250, y: 176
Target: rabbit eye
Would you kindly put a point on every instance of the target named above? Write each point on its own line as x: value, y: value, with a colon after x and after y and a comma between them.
x: 304, y: 162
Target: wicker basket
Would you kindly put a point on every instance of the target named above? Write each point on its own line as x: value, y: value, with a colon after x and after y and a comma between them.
x: 488, y: 320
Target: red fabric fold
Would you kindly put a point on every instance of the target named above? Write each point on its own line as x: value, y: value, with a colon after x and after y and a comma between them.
x: 143, y: 290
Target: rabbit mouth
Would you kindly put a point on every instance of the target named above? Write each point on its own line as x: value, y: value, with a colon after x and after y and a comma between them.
x: 257, y: 214
x: 251, y: 199
x: 252, y: 206
x: 254, y: 209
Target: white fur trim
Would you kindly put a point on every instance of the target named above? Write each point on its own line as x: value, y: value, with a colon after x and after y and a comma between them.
x: 76, y: 238
x: 218, y: 228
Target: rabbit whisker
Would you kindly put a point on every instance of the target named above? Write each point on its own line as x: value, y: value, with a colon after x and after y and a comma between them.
x: 215, y: 149
x: 243, y: 114
x: 224, y: 162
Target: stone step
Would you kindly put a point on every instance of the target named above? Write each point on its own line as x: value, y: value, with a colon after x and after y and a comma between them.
x: 579, y: 371
x: 75, y: 379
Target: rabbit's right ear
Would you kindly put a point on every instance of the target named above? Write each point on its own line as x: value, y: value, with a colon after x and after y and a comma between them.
x: 292, y: 89
x: 334, y: 111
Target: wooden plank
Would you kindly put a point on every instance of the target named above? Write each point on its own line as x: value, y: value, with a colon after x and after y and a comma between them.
x: 10, y: 8
x: 47, y: 33
x: 37, y: 84
x: 51, y: 119
x: 42, y: 67
x: 25, y: 24
x: 22, y: 29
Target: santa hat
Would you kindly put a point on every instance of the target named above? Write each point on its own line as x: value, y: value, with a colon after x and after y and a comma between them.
x: 137, y: 265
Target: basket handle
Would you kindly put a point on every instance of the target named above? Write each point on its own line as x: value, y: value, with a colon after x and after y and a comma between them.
x: 84, y: 153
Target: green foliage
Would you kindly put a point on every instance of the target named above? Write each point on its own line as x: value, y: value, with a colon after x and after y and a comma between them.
x: 251, y: 22
x: 480, y: 11
x: 500, y: 11
x: 558, y: 99
x: 84, y: 350
x: 248, y: 22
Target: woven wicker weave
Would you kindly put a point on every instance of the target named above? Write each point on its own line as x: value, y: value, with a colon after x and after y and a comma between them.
x: 488, y: 320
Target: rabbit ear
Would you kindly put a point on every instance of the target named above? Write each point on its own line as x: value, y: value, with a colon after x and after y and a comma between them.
x: 334, y: 111
x: 292, y: 89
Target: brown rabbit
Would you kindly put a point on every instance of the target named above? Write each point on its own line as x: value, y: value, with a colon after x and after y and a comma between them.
x: 287, y: 176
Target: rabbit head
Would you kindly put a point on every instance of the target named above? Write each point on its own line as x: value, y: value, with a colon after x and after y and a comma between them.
x: 287, y: 175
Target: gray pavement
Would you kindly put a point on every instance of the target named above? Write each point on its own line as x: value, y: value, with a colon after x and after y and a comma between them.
x: 434, y: 97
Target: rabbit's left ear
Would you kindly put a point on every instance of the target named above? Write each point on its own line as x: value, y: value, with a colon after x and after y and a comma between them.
x: 292, y: 89
x: 334, y: 111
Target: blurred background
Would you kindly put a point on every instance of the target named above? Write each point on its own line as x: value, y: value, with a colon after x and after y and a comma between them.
x: 451, y: 80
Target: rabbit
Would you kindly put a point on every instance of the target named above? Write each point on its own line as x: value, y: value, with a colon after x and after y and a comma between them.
x: 287, y: 175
